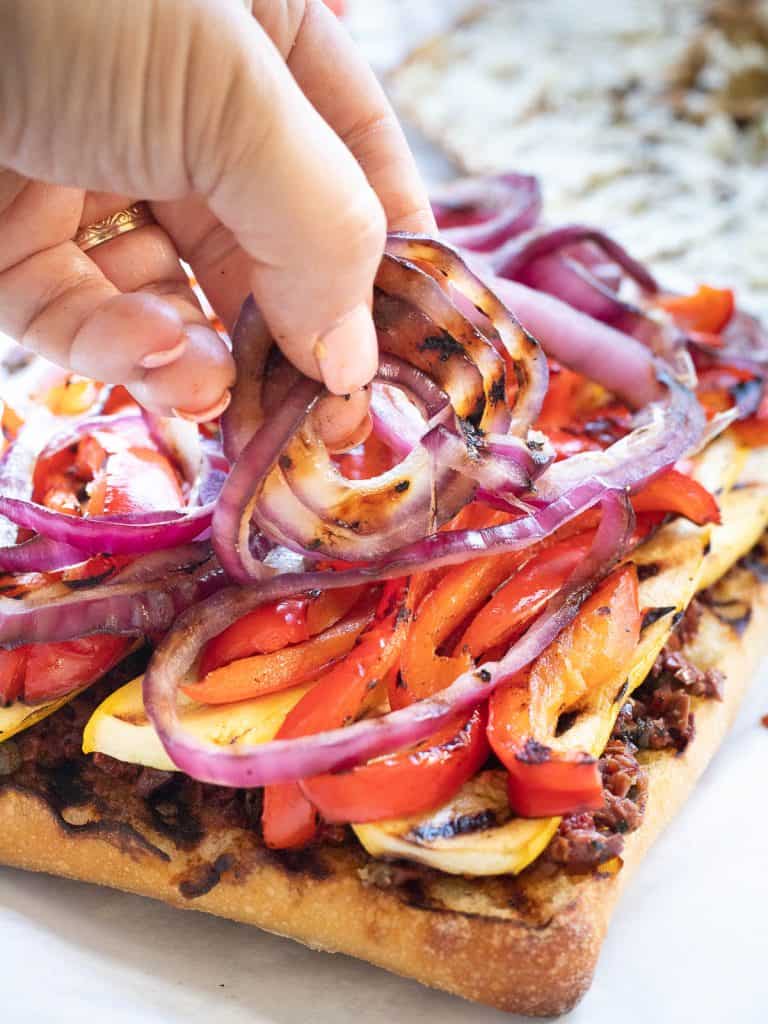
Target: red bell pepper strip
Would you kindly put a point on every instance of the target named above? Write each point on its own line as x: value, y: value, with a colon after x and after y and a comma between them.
x: 36, y: 673
x: 367, y: 460
x: 576, y: 668
x: 110, y: 471
x: 672, y: 491
x: 289, y: 819
x: 135, y: 480
x: 450, y: 599
x: 268, y: 673
x: 12, y: 665
x: 522, y: 597
x: 707, y: 310
x: 274, y: 626
x: 405, y: 783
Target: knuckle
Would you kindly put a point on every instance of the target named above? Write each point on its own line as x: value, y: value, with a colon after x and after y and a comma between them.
x: 363, y: 226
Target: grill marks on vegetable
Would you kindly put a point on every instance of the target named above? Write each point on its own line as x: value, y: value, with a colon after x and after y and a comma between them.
x: 444, y: 345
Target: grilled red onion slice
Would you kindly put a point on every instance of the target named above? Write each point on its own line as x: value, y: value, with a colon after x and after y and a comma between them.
x: 284, y: 480
x: 40, y: 554
x: 159, y: 564
x: 17, y: 464
x: 513, y: 257
x: 504, y: 331
x: 242, y: 490
x: 288, y: 760
x: 440, y: 340
x: 179, y: 440
x: 129, y: 534
x: 251, y: 342
x: 482, y: 213
x: 396, y: 420
x: 495, y: 461
x: 134, y: 608
x: 613, y: 359
x: 573, y: 282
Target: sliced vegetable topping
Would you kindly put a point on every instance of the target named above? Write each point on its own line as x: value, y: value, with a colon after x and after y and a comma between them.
x: 447, y: 584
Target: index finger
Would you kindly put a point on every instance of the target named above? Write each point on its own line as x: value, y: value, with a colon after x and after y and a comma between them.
x: 333, y: 75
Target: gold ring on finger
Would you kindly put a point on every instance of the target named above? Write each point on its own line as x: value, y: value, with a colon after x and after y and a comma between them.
x: 138, y: 215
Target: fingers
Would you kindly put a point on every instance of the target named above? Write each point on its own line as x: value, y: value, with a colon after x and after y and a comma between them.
x: 202, y: 102
x: 197, y: 369
x: 343, y: 421
x: 59, y: 302
x: 332, y: 73
x: 294, y: 198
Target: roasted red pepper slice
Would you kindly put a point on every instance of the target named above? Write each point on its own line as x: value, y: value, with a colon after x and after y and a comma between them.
x: 135, y: 480
x: 450, y: 599
x: 268, y: 673
x: 574, y: 671
x: 279, y: 624
x: 41, y: 672
x: 672, y: 491
x: 522, y: 597
x: 707, y: 310
x: 12, y: 665
x: 367, y: 460
x: 405, y: 783
x: 289, y: 819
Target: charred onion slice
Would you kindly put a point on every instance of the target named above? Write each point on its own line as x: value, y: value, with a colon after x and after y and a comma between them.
x: 504, y: 331
x: 286, y: 483
x: 416, y: 320
x: 127, y: 534
x: 292, y: 759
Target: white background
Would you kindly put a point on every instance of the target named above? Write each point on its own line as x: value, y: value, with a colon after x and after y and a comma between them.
x: 689, y: 942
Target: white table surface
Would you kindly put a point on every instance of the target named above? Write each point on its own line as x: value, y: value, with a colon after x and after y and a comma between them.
x: 688, y: 942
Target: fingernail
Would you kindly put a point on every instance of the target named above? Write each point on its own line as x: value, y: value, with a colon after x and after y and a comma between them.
x: 205, y: 414
x: 347, y: 354
x: 153, y: 360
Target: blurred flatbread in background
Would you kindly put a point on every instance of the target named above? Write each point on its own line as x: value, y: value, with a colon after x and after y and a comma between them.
x: 648, y: 117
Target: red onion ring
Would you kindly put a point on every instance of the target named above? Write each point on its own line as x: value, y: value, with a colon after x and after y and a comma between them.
x: 134, y: 608
x: 338, y: 749
x: 179, y: 441
x: 615, y: 360
x: 251, y: 342
x: 441, y: 341
x: 125, y: 534
x: 39, y: 554
x: 284, y: 480
x: 529, y: 363
x: 242, y: 489
x: 496, y: 462
x: 482, y: 213
x: 515, y: 255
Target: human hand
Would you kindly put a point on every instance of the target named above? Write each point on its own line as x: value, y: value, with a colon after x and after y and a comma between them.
x: 272, y: 162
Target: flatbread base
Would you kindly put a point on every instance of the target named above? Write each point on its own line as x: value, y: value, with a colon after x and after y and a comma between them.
x: 527, y: 944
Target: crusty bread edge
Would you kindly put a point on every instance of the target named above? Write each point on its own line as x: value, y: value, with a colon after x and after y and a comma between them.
x: 541, y: 971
